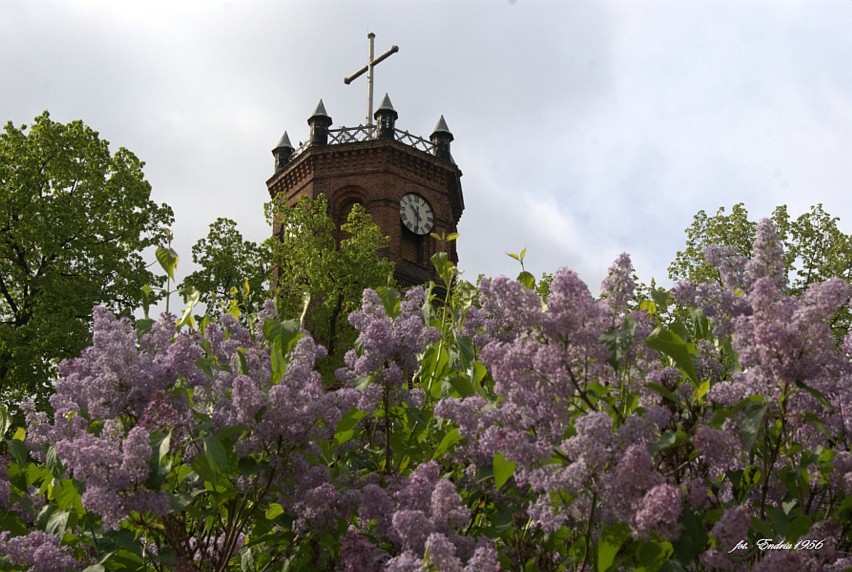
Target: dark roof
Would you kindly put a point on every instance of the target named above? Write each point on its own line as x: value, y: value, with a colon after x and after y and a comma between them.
x: 441, y: 127
x: 386, y: 104
x: 320, y: 110
x: 284, y: 142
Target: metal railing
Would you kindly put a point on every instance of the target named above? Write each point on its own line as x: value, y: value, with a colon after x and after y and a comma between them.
x: 367, y: 133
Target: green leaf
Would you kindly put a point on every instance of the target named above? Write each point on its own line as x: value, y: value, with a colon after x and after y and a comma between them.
x: 283, y: 332
x: 434, y: 367
x: 466, y: 351
x: 215, y: 454
x: 477, y: 375
x: 190, y: 299
x: 667, y: 440
x: 67, y: 496
x: 168, y: 259
x: 274, y: 511
x: 52, y: 462
x: 701, y: 390
x: 612, y: 537
x: 664, y: 340
x: 451, y: 438
x: 444, y: 267
x: 751, y: 422
x: 653, y: 554
x: 660, y: 297
x: 345, y: 428
x: 57, y: 523
x: 461, y: 384
x: 648, y: 306
x: 18, y: 450
x: 527, y: 279
x: 247, y: 563
x: 143, y: 326
x: 817, y: 394
x: 503, y: 470
x: 390, y: 298
x: 799, y: 527
x: 5, y: 420
x: 693, y: 539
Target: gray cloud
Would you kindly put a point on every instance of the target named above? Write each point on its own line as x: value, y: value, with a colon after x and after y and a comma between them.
x: 583, y: 129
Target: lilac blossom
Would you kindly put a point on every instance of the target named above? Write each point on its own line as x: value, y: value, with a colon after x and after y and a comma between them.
x: 618, y: 287
x: 732, y: 528
x: 658, y: 513
x: 633, y: 478
x: 389, y: 346
x: 359, y: 554
x: 484, y: 559
x: 110, y: 401
x: 720, y: 450
x: 422, y: 508
x: 408, y: 561
x: 767, y: 258
x: 441, y: 554
x: 39, y: 550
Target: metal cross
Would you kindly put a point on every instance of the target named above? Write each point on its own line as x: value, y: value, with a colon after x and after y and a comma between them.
x: 369, y: 69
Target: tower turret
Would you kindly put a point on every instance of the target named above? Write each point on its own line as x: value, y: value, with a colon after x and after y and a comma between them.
x: 441, y: 139
x: 282, y: 152
x: 319, y: 122
x: 386, y: 117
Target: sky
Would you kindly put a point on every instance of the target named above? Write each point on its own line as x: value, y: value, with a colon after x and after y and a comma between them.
x: 583, y: 129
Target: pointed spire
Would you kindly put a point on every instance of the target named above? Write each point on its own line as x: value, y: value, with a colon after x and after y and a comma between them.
x: 320, y: 111
x: 441, y: 139
x: 386, y: 104
x: 283, y: 152
x: 441, y: 127
x: 284, y: 143
x: 385, y: 117
x: 319, y: 122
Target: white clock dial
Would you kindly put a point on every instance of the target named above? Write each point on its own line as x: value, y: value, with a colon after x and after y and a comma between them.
x: 416, y: 214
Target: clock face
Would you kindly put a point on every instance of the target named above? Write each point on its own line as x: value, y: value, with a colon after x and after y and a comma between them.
x: 416, y: 214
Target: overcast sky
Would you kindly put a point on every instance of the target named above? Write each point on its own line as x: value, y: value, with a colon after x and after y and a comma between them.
x: 583, y: 129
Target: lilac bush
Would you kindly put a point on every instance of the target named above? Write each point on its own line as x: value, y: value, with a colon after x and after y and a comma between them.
x: 500, y: 427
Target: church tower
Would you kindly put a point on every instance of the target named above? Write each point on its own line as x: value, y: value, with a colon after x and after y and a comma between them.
x: 410, y: 185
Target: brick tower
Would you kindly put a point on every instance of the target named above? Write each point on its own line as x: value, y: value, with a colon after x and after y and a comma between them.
x: 411, y: 186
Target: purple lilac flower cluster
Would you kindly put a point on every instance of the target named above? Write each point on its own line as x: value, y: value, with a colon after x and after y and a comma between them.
x: 542, y: 361
x: 388, y: 348
x: 38, y: 550
x: 421, y: 519
x: 110, y: 401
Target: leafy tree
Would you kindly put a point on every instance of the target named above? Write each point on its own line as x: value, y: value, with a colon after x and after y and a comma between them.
x: 734, y: 229
x: 815, y: 248
x: 232, y: 268
x: 74, y: 219
x: 321, y: 271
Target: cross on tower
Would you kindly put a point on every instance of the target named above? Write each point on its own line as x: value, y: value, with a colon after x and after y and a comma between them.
x: 369, y: 70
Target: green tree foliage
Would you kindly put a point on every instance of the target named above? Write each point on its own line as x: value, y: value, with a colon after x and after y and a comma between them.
x: 74, y: 219
x: 734, y: 229
x: 231, y: 268
x: 815, y: 248
x: 325, y: 269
